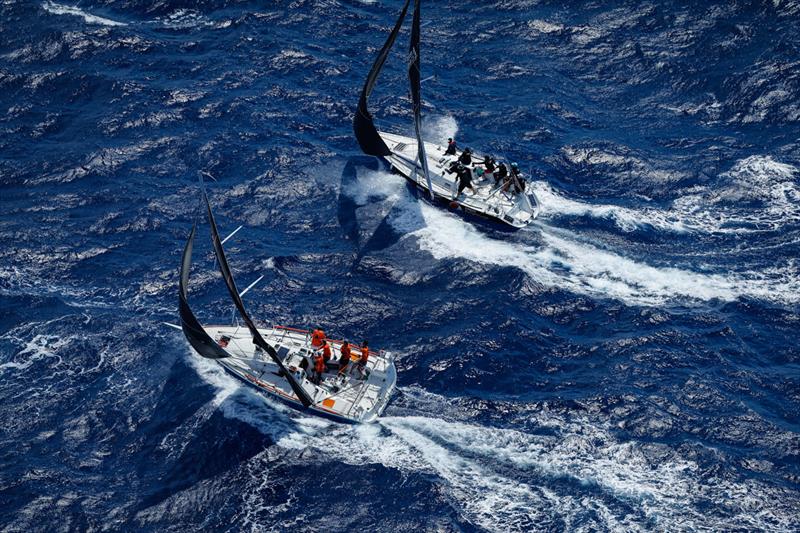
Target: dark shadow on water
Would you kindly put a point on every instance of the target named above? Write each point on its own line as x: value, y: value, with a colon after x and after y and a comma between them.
x: 218, y: 445
x: 385, y: 234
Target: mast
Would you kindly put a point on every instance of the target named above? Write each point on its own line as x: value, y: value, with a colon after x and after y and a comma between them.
x: 414, y: 80
x: 192, y: 330
x: 258, y: 340
x: 363, y: 126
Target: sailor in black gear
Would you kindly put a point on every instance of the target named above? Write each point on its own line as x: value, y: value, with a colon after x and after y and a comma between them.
x: 455, y: 166
x: 466, y: 157
x: 464, y: 180
x: 517, y: 178
x: 451, y: 147
x: 501, y: 174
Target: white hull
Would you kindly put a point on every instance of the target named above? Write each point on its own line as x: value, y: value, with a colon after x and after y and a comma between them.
x: 344, y: 399
x: 515, y: 210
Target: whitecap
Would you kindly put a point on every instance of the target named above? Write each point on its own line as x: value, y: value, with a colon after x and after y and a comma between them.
x: 59, y: 9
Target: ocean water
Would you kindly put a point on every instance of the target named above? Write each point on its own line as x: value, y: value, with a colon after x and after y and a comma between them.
x: 627, y: 363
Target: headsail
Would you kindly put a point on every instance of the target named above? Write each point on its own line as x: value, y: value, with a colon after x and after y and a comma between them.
x: 194, y: 332
x: 259, y: 341
x: 414, y: 79
x: 366, y: 134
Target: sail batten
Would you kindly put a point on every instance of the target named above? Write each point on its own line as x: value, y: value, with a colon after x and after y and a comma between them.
x: 230, y: 283
x: 367, y: 135
x: 416, y: 100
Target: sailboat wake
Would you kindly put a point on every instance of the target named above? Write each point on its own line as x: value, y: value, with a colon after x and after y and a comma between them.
x: 554, y: 257
x: 562, y: 471
x: 757, y: 194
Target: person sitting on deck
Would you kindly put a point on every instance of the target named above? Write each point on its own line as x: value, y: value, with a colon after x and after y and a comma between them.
x: 451, y: 147
x: 344, y: 360
x: 319, y: 368
x: 466, y: 157
x: 317, y: 338
x: 479, y: 173
x: 362, y: 362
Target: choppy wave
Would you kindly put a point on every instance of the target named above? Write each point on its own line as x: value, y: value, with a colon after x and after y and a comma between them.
x: 757, y: 194
x: 60, y: 9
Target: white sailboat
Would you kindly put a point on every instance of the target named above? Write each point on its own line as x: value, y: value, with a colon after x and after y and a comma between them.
x: 429, y: 166
x: 276, y: 360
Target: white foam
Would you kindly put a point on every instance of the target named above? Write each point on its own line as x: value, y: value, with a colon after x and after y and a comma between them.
x: 437, y: 129
x: 512, y: 480
x: 553, y: 204
x: 374, y: 185
x: 37, y: 348
x: 59, y: 9
x: 565, y: 261
x: 509, y: 480
x: 757, y: 194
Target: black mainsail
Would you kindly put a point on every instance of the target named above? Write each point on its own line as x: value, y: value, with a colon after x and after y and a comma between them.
x: 258, y: 340
x: 414, y: 80
x: 363, y: 126
x: 194, y: 332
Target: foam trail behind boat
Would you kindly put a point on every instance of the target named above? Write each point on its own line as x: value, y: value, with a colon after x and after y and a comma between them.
x: 563, y: 260
x: 574, y: 472
x: 757, y: 194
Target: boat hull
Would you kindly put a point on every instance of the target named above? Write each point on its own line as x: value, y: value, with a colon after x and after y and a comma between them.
x: 489, y: 205
x: 344, y: 399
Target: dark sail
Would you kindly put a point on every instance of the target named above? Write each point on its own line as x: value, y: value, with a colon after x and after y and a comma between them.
x: 414, y: 79
x: 366, y: 134
x: 194, y: 332
x: 259, y: 341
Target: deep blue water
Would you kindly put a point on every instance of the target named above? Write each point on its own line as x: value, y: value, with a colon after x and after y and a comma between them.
x: 629, y: 362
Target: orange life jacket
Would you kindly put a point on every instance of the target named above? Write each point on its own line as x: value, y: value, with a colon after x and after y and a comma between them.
x: 319, y: 364
x: 364, y: 355
x: 326, y: 352
x: 317, y: 337
x: 345, y: 354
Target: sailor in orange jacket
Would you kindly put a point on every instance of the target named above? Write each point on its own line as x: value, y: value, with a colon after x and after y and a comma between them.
x: 362, y: 362
x: 326, y: 352
x: 319, y: 368
x: 344, y: 360
x: 317, y: 337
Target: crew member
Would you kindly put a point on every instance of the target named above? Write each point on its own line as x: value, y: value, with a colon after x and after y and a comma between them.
x: 326, y: 352
x: 319, y: 368
x: 317, y: 338
x: 519, y: 180
x: 451, y: 147
x: 488, y: 164
x: 502, y: 174
x: 344, y: 360
x: 464, y: 180
x: 455, y: 166
x: 362, y: 362
x: 466, y: 157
